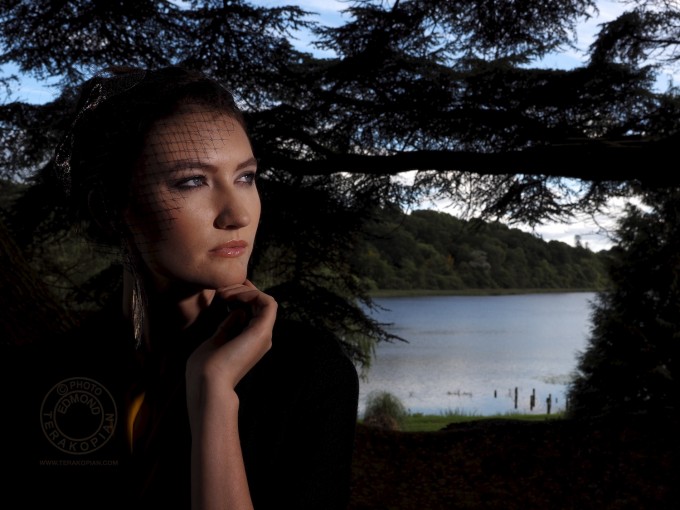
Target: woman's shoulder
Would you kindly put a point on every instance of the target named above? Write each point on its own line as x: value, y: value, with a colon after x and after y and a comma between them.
x: 304, y: 360
x: 308, y: 344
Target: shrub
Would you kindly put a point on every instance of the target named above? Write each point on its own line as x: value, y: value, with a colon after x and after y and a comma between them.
x: 385, y: 411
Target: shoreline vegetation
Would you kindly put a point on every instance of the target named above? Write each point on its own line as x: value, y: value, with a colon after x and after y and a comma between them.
x: 383, y: 410
x: 434, y: 250
x: 388, y: 293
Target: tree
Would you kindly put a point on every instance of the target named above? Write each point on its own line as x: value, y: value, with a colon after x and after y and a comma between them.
x: 649, y: 31
x: 630, y: 364
x: 22, y: 324
x: 446, y: 89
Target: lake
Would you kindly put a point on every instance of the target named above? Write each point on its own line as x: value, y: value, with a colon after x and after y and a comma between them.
x: 469, y: 354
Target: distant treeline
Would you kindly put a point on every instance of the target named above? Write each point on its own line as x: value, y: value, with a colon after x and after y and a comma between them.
x: 434, y: 250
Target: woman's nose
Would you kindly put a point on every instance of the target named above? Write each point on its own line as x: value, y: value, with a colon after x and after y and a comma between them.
x: 232, y: 212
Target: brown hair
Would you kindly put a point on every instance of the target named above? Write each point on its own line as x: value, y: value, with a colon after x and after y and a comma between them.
x: 115, y: 110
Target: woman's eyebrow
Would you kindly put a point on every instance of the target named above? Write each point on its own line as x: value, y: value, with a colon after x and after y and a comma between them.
x: 249, y: 162
x: 188, y: 164
x: 197, y: 164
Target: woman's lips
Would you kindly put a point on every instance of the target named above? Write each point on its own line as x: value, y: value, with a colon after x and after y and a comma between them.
x: 230, y: 249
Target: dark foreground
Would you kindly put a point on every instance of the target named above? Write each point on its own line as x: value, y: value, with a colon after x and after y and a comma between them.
x: 511, y: 464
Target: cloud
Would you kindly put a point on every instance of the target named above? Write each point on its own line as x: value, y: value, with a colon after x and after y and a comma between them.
x: 594, y: 235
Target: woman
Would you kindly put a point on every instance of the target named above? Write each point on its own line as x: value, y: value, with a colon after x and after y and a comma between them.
x: 187, y: 391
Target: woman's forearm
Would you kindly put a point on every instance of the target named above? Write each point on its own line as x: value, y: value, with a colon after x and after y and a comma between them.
x: 218, y: 477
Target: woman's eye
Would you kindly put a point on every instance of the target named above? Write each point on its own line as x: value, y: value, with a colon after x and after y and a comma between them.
x: 195, y: 181
x: 247, y: 178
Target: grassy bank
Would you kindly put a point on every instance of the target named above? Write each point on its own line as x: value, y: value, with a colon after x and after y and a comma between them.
x: 430, y: 423
x: 468, y: 292
x: 418, y: 422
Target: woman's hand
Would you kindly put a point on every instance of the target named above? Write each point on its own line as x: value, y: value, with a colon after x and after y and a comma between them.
x: 213, y: 370
x: 227, y: 356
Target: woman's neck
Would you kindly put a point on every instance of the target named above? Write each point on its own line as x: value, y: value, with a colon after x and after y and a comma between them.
x: 179, y: 310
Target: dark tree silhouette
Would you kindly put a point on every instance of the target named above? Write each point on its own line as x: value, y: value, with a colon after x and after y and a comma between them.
x: 29, y: 309
x: 630, y: 365
x: 443, y: 88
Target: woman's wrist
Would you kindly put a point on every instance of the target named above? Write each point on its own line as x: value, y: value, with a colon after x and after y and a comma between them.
x: 212, y: 403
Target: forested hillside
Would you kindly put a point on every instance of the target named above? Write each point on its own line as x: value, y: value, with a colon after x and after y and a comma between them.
x: 434, y: 250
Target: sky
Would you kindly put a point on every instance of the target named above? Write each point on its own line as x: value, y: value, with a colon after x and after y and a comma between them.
x: 591, y: 232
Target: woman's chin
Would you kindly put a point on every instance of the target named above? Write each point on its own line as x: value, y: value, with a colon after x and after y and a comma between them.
x: 229, y: 282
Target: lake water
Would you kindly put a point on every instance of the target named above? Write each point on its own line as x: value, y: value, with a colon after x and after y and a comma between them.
x: 468, y: 353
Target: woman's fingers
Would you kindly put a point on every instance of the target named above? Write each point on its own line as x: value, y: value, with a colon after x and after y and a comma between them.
x: 245, y: 293
x: 242, y: 338
x: 259, y: 308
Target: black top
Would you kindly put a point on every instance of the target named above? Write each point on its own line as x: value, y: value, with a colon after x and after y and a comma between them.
x: 67, y: 405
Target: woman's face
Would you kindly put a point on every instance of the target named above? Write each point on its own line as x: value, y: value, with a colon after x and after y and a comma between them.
x: 194, y: 205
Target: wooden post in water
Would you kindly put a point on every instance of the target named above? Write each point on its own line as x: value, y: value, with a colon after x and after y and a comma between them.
x: 515, y: 397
